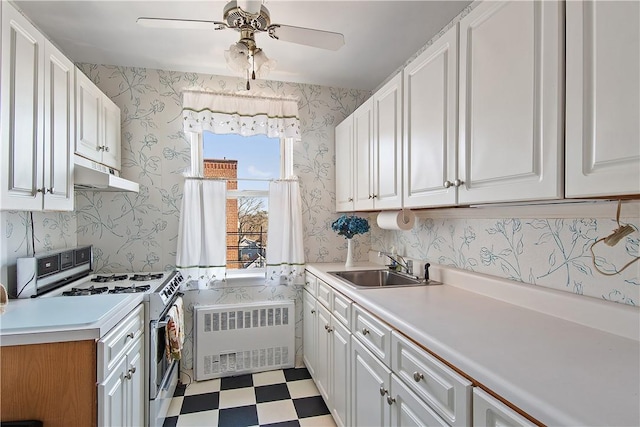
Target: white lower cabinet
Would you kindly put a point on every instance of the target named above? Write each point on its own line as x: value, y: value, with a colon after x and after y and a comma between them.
x: 371, y: 381
x: 327, y: 349
x: 121, y: 358
x: 408, y: 410
x: 490, y: 412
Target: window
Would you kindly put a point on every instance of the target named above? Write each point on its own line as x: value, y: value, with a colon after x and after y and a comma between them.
x: 249, y: 163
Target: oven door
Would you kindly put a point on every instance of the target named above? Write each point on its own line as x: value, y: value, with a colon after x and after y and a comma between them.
x: 163, y: 374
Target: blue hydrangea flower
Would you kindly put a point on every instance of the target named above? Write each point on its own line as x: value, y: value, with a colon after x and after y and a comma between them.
x: 349, y: 226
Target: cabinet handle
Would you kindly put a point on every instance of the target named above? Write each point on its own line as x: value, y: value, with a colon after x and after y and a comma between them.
x: 50, y: 190
x: 447, y: 184
x: 41, y: 190
x: 329, y: 329
x: 390, y: 400
x: 313, y: 312
x: 100, y: 148
x: 370, y: 196
x: 365, y: 331
x: 418, y: 376
x: 457, y: 182
x: 375, y: 196
x: 128, y: 374
x: 350, y: 199
x: 133, y: 369
x: 130, y: 335
x: 105, y: 148
x: 383, y: 390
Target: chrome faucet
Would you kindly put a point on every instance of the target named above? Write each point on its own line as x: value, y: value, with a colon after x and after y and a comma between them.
x: 405, y: 265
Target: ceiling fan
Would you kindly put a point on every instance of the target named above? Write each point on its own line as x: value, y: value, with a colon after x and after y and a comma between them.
x: 249, y: 17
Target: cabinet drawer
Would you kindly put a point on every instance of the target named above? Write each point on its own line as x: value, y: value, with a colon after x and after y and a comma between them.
x: 117, y: 341
x: 324, y: 294
x: 374, y: 334
x: 489, y: 411
x: 310, y: 283
x: 341, y: 308
x: 447, y: 392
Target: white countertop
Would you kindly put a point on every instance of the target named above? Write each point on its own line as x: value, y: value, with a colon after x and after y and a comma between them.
x: 57, y: 319
x: 558, y: 371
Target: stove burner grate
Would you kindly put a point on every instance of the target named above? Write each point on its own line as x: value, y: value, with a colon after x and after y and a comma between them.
x: 74, y: 292
x: 112, y: 278
x: 148, y: 276
x: 129, y: 289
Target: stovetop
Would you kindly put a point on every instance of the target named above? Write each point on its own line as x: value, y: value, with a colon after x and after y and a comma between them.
x: 120, y: 283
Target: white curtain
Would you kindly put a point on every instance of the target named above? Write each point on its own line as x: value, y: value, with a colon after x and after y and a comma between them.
x: 285, y: 250
x: 222, y: 113
x: 202, y: 241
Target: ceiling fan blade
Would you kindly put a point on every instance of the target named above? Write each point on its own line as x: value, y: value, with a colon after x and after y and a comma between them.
x: 307, y: 36
x: 180, y: 24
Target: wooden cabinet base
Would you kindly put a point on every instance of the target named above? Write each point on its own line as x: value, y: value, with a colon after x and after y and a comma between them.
x: 54, y: 383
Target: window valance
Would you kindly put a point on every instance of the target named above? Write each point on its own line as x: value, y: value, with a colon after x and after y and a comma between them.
x: 244, y: 115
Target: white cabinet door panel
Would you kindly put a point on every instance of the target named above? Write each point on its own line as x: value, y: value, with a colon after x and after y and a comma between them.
x: 111, y: 133
x: 430, y: 124
x: 387, y: 147
x: 22, y: 112
x: 344, y: 165
x: 370, y: 384
x: 603, y: 98
x: 363, y: 155
x: 59, y: 128
x: 88, y: 135
x: 408, y: 410
x: 510, y: 97
x: 323, y: 352
x: 309, y: 332
x: 340, y: 373
x: 490, y: 412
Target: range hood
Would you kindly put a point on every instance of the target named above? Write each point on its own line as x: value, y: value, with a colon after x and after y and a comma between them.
x: 93, y: 176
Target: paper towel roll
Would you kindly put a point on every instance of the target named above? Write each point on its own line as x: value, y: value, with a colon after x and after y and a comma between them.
x: 396, y: 220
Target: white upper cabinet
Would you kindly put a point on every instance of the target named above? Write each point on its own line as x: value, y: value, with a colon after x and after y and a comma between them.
x: 37, y: 119
x: 387, y: 145
x: 344, y: 165
x: 363, y: 155
x: 430, y: 125
x: 98, y: 124
x: 377, y: 150
x: 510, y: 122
x: 603, y: 98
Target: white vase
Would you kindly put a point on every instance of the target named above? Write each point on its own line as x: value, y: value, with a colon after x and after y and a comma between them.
x: 349, y: 262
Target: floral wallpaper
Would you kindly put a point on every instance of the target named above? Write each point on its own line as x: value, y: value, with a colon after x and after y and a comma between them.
x: 553, y: 253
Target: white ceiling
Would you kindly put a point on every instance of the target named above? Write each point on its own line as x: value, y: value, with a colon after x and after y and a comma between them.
x: 379, y: 36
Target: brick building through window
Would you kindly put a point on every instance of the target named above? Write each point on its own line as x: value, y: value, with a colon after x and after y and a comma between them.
x: 223, y: 168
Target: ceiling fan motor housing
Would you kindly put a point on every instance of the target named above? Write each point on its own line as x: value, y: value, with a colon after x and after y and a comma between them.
x: 237, y: 18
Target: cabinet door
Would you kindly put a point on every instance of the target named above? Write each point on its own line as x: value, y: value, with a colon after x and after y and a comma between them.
x: 603, y: 98
x: 135, y: 384
x: 59, y: 129
x: 490, y: 412
x: 323, y: 352
x: 344, y: 165
x: 363, y: 155
x: 511, y: 77
x: 340, y: 373
x: 88, y: 112
x: 112, y: 397
x: 370, y: 383
x: 309, y: 332
x: 430, y: 123
x: 387, y: 145
x: 22, y: 111
x: 111, y: 133
x: 408, y: 410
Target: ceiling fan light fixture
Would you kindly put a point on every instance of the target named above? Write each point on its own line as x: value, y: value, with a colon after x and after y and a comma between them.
x: 237, y: 58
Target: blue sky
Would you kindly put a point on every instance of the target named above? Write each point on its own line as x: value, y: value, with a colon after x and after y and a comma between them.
x: 257, y: 156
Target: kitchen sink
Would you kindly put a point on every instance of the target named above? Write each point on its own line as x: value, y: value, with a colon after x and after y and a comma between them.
x: 379, y: 279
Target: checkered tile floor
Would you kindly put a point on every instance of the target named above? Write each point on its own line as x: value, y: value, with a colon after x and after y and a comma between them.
x: 284, y: 398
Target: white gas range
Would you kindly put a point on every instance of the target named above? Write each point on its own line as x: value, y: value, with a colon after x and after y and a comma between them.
x: 68, y: 273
